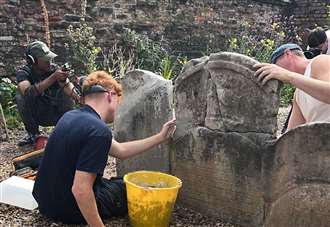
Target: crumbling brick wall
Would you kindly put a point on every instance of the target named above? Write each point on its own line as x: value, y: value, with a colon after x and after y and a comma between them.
x: 190, y: 27
x: 310, y: 13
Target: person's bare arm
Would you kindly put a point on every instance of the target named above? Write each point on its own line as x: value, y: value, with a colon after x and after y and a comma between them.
x: 69, y: 90
x: 129, y: 149
x: 22, y: 86
x: 44, y: 84
x: 318, y: 86
x: 82, y: 190
x: 296, y: 117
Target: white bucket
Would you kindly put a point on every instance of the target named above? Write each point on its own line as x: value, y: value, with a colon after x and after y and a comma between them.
x: 17, y: 191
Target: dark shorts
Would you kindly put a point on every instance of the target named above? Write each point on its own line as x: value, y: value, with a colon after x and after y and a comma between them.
x: 111, y: 197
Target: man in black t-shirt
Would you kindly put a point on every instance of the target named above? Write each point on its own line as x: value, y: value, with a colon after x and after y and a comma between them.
x: 44, y: 91
x: 69, y: 186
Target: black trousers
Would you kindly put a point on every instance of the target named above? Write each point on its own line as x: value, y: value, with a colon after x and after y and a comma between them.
x: 110, y: 197
x: 36, y: 110
x: 111, y: 200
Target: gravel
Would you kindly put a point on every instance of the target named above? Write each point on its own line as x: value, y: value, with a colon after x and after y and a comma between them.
x: 13, y: 216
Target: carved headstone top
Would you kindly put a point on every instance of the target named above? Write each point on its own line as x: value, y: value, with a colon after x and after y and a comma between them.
x: 221, y: 93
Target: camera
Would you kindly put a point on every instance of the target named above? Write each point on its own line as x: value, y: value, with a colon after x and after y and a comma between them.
x: 66, y: 67
x: 312, y: 52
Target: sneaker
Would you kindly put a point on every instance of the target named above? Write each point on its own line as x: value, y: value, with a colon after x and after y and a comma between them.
x: 29, y: 139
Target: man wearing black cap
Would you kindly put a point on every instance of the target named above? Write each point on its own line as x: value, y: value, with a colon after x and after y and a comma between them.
x: 44, y: 91
x: 310, y: 77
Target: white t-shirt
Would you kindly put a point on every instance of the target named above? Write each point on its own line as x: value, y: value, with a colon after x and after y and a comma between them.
x: 311, y: 108
x: 328, y: 35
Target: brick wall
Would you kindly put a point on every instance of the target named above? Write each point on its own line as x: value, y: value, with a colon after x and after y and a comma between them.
x: 189, y: 26
x: 309, y: 13
x: 21, y: 21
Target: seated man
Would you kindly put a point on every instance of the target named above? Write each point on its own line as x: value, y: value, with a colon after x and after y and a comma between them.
x: 43, y: 91
x: 69, y: 185
x: 310, y: 77
x: 319, y: 38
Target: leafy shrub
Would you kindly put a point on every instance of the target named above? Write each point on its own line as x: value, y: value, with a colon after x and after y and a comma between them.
x: 139, y: 51
x: 82, y: 51
x: 255, y: 43
x: 7, y: 94
x: 287, y: 92
x: 168, y: 66
x: 148, y: 53
x: 118, y: 60
x: 171, y: 66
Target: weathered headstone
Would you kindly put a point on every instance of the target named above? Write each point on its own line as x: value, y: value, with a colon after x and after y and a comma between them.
x: 224, y: 149
x: 143, y: 111
x: 297, y: 178
x: 224, y: 118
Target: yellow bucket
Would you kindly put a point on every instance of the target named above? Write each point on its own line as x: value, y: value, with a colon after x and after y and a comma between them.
x: 151, y: 197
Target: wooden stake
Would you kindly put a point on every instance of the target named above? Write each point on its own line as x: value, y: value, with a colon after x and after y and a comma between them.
x: 3, y: 122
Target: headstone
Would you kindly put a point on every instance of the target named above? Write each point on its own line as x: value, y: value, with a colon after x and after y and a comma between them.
x: 145, y: 107
x: 297, y: 178
x: 224, y: 120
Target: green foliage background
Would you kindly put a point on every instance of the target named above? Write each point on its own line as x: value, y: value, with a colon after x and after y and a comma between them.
x: 259, y: 44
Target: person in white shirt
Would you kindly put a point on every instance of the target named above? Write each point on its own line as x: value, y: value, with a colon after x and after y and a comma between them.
x: 311, y: 77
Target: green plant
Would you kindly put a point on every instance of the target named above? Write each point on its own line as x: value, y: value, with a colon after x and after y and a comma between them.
x: 82, y: 51
x: 148, y: 53
x: 287, y: 92
x: 166, y: 67
x: 118, y: 61
x: 7, y: 94
x: 260, y: 44
x: 255, y: 44
x: 138, y: 51
x: 12, y: 116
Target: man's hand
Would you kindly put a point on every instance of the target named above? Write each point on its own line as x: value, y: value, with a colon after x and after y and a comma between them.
x: 267, y: 72
x: 129, y: 149
x: 168, y: 129
x: 60, y: 76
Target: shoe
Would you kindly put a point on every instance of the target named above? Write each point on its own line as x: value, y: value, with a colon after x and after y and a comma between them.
x: 29, y: 139
x: 40, y: 142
